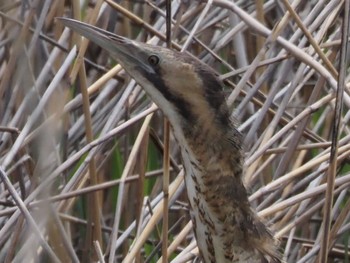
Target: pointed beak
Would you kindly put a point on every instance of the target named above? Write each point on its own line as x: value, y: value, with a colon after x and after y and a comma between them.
x: 127, y: 52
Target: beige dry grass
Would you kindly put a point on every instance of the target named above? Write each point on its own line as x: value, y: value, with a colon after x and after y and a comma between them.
x: 82, y: 147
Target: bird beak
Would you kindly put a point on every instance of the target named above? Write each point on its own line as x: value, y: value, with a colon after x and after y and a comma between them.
x: 126, y: 51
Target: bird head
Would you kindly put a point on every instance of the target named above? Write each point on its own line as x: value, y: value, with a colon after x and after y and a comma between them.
x: 185, y: 89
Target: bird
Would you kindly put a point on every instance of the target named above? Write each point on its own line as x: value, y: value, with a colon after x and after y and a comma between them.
x: 191, y: 96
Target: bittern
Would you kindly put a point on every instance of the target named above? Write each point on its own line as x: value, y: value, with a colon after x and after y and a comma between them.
x: 191, y: 96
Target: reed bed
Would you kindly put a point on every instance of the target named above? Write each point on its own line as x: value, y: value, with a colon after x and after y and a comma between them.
x: 89, y: 170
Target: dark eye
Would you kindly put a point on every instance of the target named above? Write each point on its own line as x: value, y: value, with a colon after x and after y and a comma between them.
x: 153, y: 60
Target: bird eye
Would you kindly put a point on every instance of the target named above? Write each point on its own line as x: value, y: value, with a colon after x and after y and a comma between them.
x: 153, y: 60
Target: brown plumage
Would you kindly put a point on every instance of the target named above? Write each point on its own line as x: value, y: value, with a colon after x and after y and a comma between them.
x: 190, y: 95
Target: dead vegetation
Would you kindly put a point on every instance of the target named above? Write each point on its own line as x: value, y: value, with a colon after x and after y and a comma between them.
x: 82, y: 147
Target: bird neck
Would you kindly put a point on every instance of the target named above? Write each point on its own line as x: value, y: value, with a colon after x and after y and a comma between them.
x: 216, y: 145
x: 221, y: 212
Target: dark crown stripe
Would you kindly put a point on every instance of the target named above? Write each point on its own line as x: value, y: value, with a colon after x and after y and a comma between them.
x: 214, y: 94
